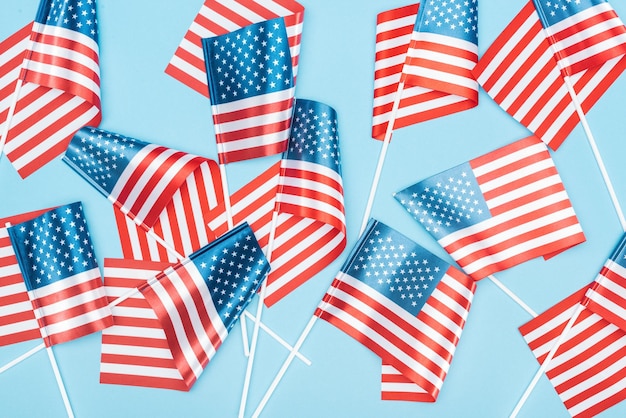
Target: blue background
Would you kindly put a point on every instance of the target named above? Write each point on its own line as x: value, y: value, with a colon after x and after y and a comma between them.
x: 492, y: 365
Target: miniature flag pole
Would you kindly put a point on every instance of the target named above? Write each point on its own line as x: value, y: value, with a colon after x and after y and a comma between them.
x: 381, y: 157
x: 53, y: 364
x: 257, y: 321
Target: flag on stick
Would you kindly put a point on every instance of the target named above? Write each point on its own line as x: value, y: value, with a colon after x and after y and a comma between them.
x: 198, y: 300
x: 138, y: 177
x: 434, y: 58
x: 217, y: 17
x: 520, y: 72
x: 498, y: 210
x: 58, y: 90
x: 57, y: 260
x: 250, y: 77
x: 403, y: 303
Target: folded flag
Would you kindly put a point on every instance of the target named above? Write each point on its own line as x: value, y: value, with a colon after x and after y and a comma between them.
x: 498, y: 210
x: 59, y: 267
x: 403, y: 303
x: 134, y: 350
x: 138, y: 177
x: 183, y: 224
x: 432, y: 48
x: 198, y: 300
x: 306, y: 191
x: 583, y: 34
x: 17, y: 320
x: 60, y: 73
x: 588, y: 370
x: 520, y: 72
x: 250, y: 77
x: 217, y: 18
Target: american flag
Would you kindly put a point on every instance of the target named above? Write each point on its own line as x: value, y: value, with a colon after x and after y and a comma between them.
x: 498, y: 210
x: 138, y: 177
x: 59, y: 267
x: 583, y: 33
x: 134, y: 350
x: 520, y: 73
x: 17, y: 320
x: 607, y: 295
x: 302, y: 246
x: 217, y: 17
x: 183, y: 224
x: 61, y: 83
x: 440, y: 55
x: 588, y: 370
x: 252, y: 90
x: 403, y: 303
x: 199, y: 300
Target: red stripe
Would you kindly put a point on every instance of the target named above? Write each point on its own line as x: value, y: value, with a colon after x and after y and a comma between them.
x: 78, y: 332
x: 153, y: 382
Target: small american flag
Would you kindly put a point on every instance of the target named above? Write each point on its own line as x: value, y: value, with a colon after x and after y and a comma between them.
x: 583, y: 33
x: 217, y: 17
x: 57, y: 261
x: 519, y: 71
x: 17, y: 320
x: 183, y: 223
x: 607, y: 295
x: 250, y: 77
x: 497, y: 210
x: 306, y: 189
x: 134, y: 350
x: 61, y: 83
x: 588, y: 370
x: 403, y: 303
x: 434, y: 62
x: 199, y: 300
x: 138, y: 177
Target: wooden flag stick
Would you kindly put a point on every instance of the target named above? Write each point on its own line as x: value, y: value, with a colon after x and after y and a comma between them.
x: 257, y: 321
x: 284, y: 367
x: 546, y: 362
x: 596, y: 152
x: 381, y: 157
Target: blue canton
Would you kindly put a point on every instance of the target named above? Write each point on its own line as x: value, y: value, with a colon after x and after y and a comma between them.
x: 248, y: 62
x: 396, y: 267
x: 101, y: 156
x: 446, y: 202
x: 619, y: 254
x: 455, y: 18
x: 53, y: 246
x: 314, y: 136
x: 554, y: 11
x: 76, y: 15
x: 233, y: 268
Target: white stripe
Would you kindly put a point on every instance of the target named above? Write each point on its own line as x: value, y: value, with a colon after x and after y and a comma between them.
x: 64, y: 33
x: 209, y: 183
x: 15, y: 288
x: 251, y: 102
x: 602, y: 395
x: 136, y: 313
x: 61, y: 285
x: 62, y: 72
x: 129, y: 273
x: 133, y: 350
x: 401, y: 387
x: 75, y: 322
x: 132, y: 370
x: 17, y: 327
x: 558, y: 321
x: 439, y: 57
x: 69, y: 54
x: 529, y: 78
x: 188, y: 69
x: 510, y: 158
x: 394, y: 24
x: 511, y: 177
x: 135, y: 331
x: 15, y: 308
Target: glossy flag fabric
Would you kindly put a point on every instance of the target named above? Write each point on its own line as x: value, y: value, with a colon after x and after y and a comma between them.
x: 17, y: 319
x: 588, y: 370
x: 217, y: 17
x: 583, y: 33
x: 57, y: 261
x: 252, y: 90
x: 138, y: 177
x: 520, y: 73
x: 198, y: 300
x: 135, y: 351
x: 498, y: 210
x: 306, y: 190
x: 438, y: 59
x: 61, y: 83
x: 183, y: 224
x: 403, y: 303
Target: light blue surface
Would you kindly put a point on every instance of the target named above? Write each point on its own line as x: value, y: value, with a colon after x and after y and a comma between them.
x: 492, y: 365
